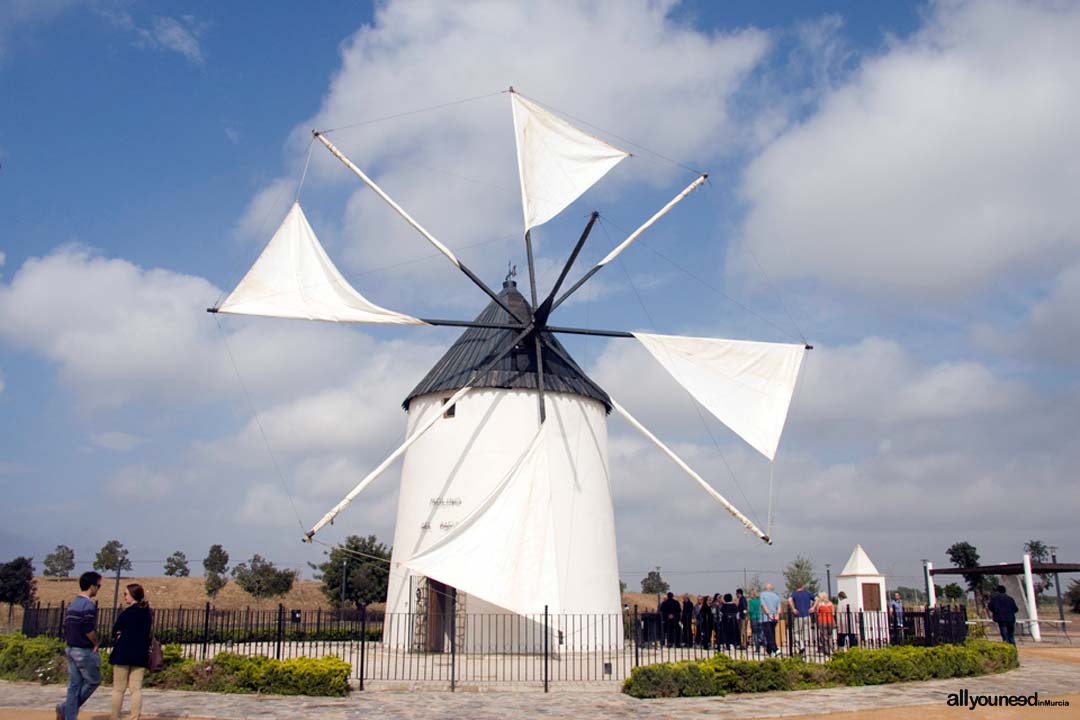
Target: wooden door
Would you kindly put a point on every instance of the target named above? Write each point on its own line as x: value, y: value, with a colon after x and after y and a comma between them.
x: 871, y: 597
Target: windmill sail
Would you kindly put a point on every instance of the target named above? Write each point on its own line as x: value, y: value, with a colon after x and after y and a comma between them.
x: 504, y: 551
x: 556, y: 161
x: 294, y: 278
x: 747, y: 385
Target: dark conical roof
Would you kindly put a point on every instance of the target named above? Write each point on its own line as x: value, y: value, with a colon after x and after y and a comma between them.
x: 517, y: 370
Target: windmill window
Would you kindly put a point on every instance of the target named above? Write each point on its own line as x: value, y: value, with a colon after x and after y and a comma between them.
x: 451, y: 411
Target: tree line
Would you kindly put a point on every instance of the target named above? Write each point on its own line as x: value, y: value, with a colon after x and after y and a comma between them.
x: 355, y: 573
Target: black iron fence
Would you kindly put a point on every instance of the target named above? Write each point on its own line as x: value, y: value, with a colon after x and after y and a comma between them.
x: 458, y: 648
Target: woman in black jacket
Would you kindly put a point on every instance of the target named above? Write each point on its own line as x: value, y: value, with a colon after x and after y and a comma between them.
x: 131, y: 650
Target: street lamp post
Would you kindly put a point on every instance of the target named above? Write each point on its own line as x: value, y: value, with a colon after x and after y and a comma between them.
x: 344, y: 582
x: 828, y: 580
x: 1057, y: 586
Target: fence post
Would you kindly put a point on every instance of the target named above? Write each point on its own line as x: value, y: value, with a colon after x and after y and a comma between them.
x: 453, y: 643
x: 280, y: 630
x: 206, y: 631
x: 546, y: 633
x: 637, y: 639
x: 363, y: 640
x: 60, y: 625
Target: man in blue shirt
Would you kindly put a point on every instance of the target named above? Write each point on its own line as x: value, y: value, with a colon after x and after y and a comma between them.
x: 80, y: 635
x: 896, y: 609
x: 800, y: 602
x: 770, y: 615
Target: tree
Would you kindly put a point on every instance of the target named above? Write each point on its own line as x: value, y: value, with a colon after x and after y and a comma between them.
x: 1040, y: 553
x: 800, y: 573
x: 622, y: 587
x: 214, y: 583
x: 17, y: 586
x: 954, y: 592
x: 653, y: 584
x: 963, y: 554
x: 113, y: 556
x: 364, y: 562
x: 260, y: 579
x: 216, y: 561
x: 60, y: 562
x: 176, y: 565
x: 1072, y: 596
x: 755, y: 585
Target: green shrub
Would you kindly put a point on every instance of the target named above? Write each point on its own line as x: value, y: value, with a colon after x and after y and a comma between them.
x: 232, y: 673
x: 720, y: 674
x: 39, y: 659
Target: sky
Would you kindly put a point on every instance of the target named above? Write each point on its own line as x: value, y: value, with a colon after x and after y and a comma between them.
x: 893, y: 183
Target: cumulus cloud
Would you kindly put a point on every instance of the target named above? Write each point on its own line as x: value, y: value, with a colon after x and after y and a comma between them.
x: 265, y: 211
x: 636, y: 73
x: 944, y: 165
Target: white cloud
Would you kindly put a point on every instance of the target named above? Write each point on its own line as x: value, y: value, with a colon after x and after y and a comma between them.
x: 179, y: 36
x: 114, y: 440
x: 3, y: 258
x: 946, y: 164
x: 266, y: 211
x: 636, y: 73
x: 138, y: 482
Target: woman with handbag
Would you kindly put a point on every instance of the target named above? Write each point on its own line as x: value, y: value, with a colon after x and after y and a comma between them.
x: 132, y: 633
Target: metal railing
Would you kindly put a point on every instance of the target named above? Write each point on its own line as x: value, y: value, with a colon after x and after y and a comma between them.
x: 458, y: 648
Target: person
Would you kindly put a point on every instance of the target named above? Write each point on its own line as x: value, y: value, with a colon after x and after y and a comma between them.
x: 753, y: 611
x: 1003, y: 610
x: 799, y: 603
x: 744, y: 622
x: 669, y: 615
x: 81, y: 640
x: 825, y: 612
x: 728, y: 633
x: 687, y: 621
x: 845, y: 621
x: 705, y: 623
x: 770, y: 615
x: 131, y: 650
x: 896, y: 610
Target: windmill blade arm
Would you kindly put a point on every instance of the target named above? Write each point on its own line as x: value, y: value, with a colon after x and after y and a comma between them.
x: 632, y: 237
x: 416, y: 226
x: 360, y: 487
x: 544, y: 310
x: 747, y: 523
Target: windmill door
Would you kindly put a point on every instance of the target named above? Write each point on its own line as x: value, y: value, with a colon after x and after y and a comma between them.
x: 441, y: 599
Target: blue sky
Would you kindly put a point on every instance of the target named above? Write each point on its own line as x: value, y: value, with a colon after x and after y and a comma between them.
x: 895, y: 182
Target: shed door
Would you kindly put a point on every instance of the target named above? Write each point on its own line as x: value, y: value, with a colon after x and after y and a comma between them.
x: 871, y: 596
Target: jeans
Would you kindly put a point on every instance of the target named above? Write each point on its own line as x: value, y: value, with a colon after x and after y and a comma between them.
x: 1008, y: 631
x: 755, y: 632
x: 84, y: 676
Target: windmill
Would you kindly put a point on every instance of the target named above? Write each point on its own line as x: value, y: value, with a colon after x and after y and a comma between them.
x: 506, y: 495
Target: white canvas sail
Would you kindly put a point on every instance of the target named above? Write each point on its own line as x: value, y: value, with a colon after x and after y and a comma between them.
x: 746, y: 385
x: 556, y: 161
x: 294, y: 278
x: 504, y: 551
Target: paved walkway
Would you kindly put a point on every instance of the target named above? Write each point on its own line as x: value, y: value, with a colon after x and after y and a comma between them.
x: 1049, y: 676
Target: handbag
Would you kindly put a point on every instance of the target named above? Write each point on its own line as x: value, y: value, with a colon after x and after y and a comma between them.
x: 156, y: 657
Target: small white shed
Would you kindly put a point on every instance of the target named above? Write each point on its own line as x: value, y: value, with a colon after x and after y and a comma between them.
x: 865, y: 590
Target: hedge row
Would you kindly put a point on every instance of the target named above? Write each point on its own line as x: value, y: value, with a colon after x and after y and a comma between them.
x: 242, y: 635
x: 720, y: 674
x: 42, y: 660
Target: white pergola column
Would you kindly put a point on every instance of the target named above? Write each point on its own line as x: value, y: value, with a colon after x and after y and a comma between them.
x: 1033, y: 608
x: 931, y: 594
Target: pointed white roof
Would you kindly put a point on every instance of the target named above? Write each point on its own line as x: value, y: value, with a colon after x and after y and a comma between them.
x: 859, y: 564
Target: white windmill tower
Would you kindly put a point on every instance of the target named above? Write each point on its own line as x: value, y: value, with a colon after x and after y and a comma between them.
x: 506, y: 496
